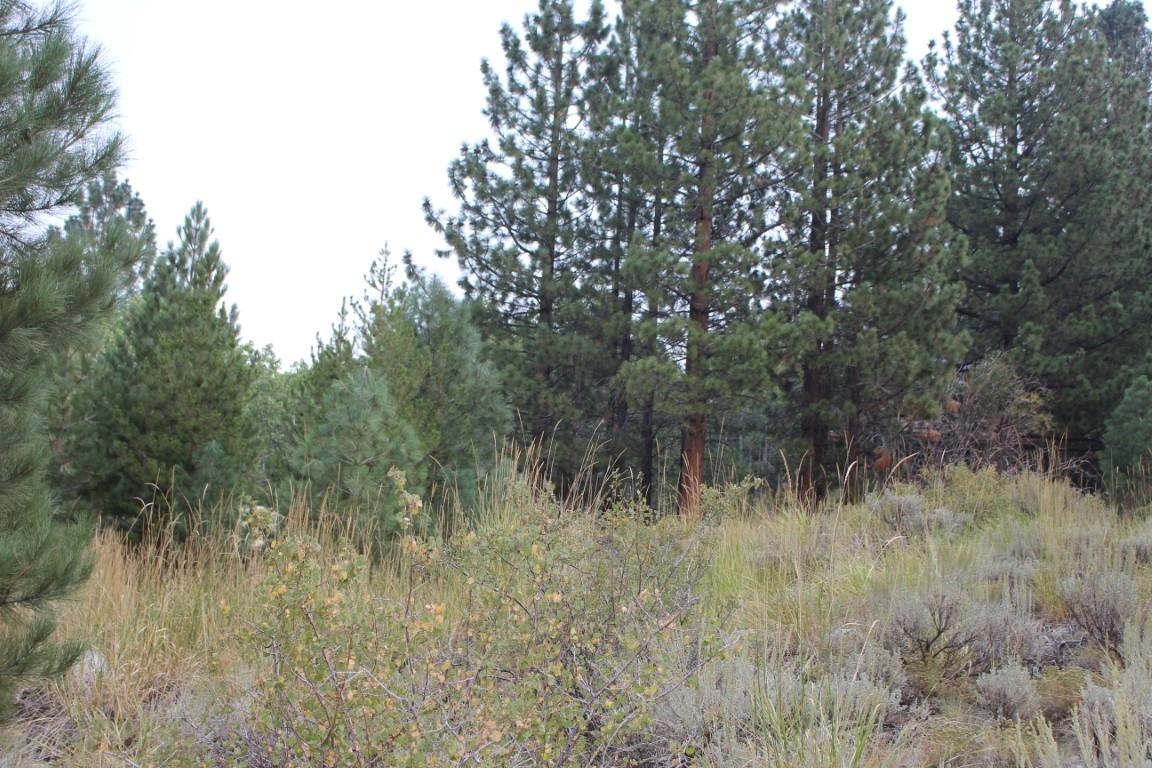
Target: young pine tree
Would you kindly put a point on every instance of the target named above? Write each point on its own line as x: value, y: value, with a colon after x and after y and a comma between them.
x: 423, y: 342
x: 111, y: 217
x: 56, y: 105
x: 166, y: 406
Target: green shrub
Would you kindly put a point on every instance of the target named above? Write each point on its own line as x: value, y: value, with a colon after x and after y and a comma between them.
x: 543, y: 642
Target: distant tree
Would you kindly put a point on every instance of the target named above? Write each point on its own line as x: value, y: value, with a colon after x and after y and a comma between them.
x: 1050, y: 171
x: 865, y: 271
x: 268, y: 410
x: 111, y: 214
x: 332, y: 360
x: 1127, y: 457
x: 55, y: 131
x: 399, y: 385
x: 166, y: 405
x: 346, y: 456
x: 1125, y: 27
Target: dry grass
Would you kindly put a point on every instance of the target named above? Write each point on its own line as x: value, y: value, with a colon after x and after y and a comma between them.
x: 885, y: 633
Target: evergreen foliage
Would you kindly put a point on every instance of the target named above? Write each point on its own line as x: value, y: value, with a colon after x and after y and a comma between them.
x: 348, y: 457
x: 54, y: 129
x: 864, y: 271
x: 111, y: 217
x: 166, y: 406
x: 1050, y: 186
x: 268, y: 410
x: 421, y: 340
x: 724, y: 130
x: 518, y: 235
x: 1127, y: 459
x: 401, y: 385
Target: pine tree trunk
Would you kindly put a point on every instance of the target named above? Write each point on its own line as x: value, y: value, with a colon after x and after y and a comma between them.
x: 546, y: 420
x: 816, y: 376
x: 695, y: 431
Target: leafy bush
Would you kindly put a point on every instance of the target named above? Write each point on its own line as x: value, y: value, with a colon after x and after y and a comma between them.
x: 542, y: 642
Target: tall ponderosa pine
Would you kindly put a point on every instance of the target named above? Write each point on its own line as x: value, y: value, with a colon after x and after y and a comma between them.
x: 54, y: 129
x: 726, y: 133
x: 632, y: 184
x: 167, y: 404
x: 865, y: 272
x: 517, y: 233
x: 1051, y: 187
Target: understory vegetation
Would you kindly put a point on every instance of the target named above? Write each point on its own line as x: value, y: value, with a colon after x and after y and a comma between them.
x: 972, y: 618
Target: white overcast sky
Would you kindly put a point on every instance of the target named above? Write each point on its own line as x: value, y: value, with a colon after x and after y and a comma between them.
x: 311, y: 132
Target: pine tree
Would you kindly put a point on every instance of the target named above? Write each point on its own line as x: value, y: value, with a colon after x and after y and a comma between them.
x: 725, y: 133
x: 631, y: 184
x: 346, y: 456
x: 1125, y: 27
x: 422, y: 341
x: 517, y: 235
x: 865, y: 269
x: 110, y: 218
x: 166, y: 406
x: 54, y: 128
x: 1050, y: 186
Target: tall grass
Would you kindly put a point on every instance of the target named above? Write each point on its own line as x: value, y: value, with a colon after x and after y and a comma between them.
x: 891, y: 632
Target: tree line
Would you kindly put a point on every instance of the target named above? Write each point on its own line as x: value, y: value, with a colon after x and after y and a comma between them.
x: 759, y: 217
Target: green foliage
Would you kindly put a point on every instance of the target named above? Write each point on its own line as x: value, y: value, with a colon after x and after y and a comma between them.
x: 996, y: 419
x: 519, y: 236
x: 359, y: 437
x: 867, y: 260
x: 422, y: 341
x: 1127, y: 461
x: 1050, y: 170
x: 549, y: 655
x: 400, y: 384
x: 268, y: 411
x: 110, y: 218
x: 165, y: 409
x: 56, y: 103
